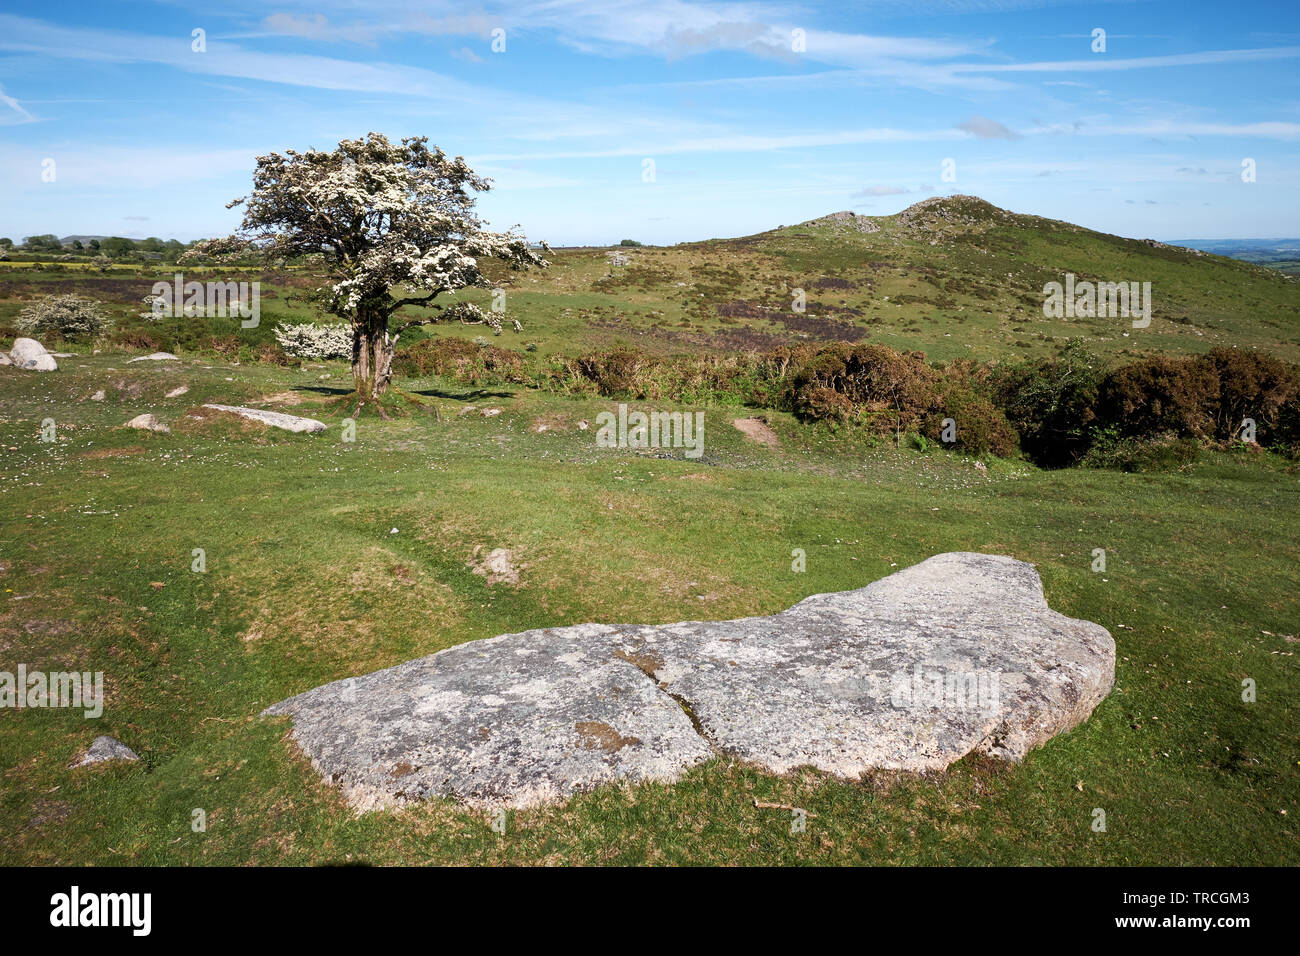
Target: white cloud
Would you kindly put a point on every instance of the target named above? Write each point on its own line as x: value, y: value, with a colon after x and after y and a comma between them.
x: 879, y: 191
x: 981, y: 127
x: 16, y: 107
x: 1101, y: 63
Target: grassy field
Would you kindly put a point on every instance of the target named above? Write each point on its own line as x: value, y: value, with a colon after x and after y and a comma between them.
x: 306, y: 582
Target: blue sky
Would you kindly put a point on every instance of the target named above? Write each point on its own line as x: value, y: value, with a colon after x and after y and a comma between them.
x: 1146, y: 139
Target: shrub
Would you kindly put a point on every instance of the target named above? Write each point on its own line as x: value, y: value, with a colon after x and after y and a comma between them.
x: 894, y: 388
x: 816, y: 404
x: 269, y: 353
x: 1050, y: 403
x: 1161, y: 452
x: 311, y: 341
x: 1250, y: 386
x: 462, y: 361
x: 68, y: 314
x: 1160, y: 395
x: 227, y: 346
x: 137, y: 339
x: 1285, y: 435
x: 616, y: 372
x: 982, y: 428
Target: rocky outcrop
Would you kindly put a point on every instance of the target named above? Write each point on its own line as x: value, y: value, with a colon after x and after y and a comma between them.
x: 959, y: 653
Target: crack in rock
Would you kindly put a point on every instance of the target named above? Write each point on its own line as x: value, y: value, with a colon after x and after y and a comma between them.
x: 957, y: 654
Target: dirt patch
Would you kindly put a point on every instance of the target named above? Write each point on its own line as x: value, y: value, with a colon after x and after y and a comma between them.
x: 497, y: 566
x: 112, y: 452
x: 594, y: 735
x: 758, y: 430
x: 46, y: 812
x: 129, y: 388
x: 554, y: 422
x: 280, y: 398
x: 54, y: 628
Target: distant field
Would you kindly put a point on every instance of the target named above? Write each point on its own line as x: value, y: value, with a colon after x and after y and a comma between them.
x: 966, y: 288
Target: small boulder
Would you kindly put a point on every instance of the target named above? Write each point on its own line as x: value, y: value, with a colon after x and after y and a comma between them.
x: 106, y: 748
x: 154, y: 357
x: 147, y: 422
x: 4, y: 359
x: 98, y: 396
x: 178, y: 391
x: 291, y: 423
x: 31, y: 355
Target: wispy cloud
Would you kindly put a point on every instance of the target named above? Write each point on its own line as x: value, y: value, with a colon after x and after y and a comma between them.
x: 871, y: 191
x: 22, y: 115
x: 981, y: 127
x: 1101, y: 63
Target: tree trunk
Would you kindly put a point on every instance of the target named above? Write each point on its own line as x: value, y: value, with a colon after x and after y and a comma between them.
x: 372, y: 354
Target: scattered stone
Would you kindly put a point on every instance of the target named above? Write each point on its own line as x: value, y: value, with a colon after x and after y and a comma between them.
x: 31, y: 355
x: 147, y: 422
x: 290, y: 423
x: 846, y: 219
x: 98, y: 396
x: 583, y: 425
x: 4, y: 359
x: 154, y: 357
x: 489, y: 412
x: 178, y: 391
x: 104, y: 749
x: 957, y: 654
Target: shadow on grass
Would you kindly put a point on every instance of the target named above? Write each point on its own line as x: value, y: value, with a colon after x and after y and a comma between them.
x: 463, y: 396
x: 323, y: 389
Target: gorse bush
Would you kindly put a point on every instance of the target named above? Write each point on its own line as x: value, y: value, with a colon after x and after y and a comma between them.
x: 470, y: 363
x: 68, y: 314
x: 980, y: 427
x: 1161, y: 452
x: 1050, y: 403
x: 1159, y: 395
x: 1252, y: 386
x: 892, y: 390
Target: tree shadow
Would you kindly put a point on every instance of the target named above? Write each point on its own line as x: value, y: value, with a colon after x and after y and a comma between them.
x: 461, y: 396
x: 323, y: 389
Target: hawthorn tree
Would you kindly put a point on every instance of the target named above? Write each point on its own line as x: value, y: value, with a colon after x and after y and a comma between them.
x: 395, y: 225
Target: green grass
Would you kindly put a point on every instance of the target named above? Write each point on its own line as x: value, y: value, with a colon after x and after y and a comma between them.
x: 306, y: 583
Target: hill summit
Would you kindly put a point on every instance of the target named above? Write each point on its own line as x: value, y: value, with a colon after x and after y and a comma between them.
x: 924, y: 219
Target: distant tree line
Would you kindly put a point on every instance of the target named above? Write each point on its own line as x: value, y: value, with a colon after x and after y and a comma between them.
x: 113, y: 247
